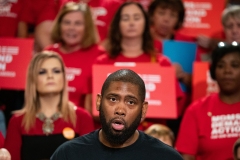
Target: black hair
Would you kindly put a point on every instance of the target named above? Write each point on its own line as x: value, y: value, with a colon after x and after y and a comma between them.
x: 218, y: 53
x: 176, y: 5
x: 126, y: 75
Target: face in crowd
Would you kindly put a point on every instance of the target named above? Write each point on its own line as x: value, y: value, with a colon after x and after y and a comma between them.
x: 72, y: 28
x: 225, y: 68
x: 122, y: 107
x: 166, y: 17
x: 228, y: 72
x: 50, y: 79
x: 232, y: 29
x: 132, y: 22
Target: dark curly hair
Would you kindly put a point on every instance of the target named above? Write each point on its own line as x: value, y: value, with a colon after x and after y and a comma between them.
x: 176, y: 5
x: 219, y: 52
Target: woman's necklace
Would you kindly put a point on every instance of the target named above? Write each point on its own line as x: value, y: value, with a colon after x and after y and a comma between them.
x: 48, y: 126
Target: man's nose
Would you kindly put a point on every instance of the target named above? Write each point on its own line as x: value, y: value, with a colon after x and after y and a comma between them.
x: 120, y: 109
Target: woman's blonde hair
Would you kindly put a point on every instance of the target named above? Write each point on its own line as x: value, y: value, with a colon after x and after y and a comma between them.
x: 161, y: 131
x: 90, y: 36
x: 32, y: 104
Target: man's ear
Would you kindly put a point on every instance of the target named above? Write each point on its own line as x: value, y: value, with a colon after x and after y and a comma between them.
x: 144, y: 110
x: 98, y: 102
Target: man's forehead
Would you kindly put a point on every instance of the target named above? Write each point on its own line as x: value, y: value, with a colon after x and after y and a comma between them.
x: 123, y: 86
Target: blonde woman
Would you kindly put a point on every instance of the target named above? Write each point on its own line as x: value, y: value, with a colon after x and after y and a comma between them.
x: 75, y: 39
x: 48, y: 118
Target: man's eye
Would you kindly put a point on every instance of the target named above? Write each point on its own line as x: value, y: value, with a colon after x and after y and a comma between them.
x: 113, y: 99
x: 131, y: 102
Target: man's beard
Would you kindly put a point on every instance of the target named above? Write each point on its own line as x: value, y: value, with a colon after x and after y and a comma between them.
x: 118, y: 137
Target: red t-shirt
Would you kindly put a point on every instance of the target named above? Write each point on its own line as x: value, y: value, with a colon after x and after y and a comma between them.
x: 1, y: 140
x: 9, y: 18
x: 36, y: 12
x: 162, y: 60
x: 79, y: 69
x: 209, y: 129
x: 17, y: 136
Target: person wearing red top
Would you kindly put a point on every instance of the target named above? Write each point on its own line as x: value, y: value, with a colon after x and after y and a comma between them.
x: 76, y: 40
x: 167, y: 17
x: 231, y: 29
x: 10, y: 13
x: 130, y: 41
x: 37, y: 20
x: 107, y: 11
x: 210, y: 125
x: 48, y: 118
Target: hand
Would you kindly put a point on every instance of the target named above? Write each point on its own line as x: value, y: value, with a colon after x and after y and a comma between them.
x: 182, y: 76
x: 204, y: 41
x: 4, y: 154
x: 179, y: 70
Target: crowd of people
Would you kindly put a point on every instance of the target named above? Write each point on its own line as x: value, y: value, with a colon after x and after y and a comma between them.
x: 70, y: 36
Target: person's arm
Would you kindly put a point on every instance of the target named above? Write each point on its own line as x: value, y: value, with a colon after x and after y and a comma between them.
x: 13, y: 139
x: 182, y: 76
x: 22, y: 30
x: 43, y: 34
x: 188, y: 157
x: 187, y: 142
x: 84, y: 122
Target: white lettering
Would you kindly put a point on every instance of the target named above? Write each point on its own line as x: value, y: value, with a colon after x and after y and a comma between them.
x: 3, y: 66
x: 6, y: 58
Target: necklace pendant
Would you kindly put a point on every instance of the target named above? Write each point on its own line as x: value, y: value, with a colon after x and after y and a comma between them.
x: 48, y: 126
x: 48, y: 123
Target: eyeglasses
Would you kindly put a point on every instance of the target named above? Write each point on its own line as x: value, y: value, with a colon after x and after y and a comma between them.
x: 224, y: 44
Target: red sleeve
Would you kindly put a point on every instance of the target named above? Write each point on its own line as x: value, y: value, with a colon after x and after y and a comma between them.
x: 1, y: 140
x: 84, y: 121
x: 187, y: 140
x: 26, y: 15
x: 13, y: 139
x: 104, y: 59
x: 99, y: 51
x: 103, y: 22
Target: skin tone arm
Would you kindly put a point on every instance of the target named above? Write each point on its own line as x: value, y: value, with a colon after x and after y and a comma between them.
x: 188, y: 157
x: 184, y: 77
x: 22, y: 30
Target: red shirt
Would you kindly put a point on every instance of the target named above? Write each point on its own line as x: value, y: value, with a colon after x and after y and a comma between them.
x: 9, y: 18
x: 209, y: 129
x: 36, y: 12
x: 79, y: 69
x: 1, y: 140
x: 16, y: 131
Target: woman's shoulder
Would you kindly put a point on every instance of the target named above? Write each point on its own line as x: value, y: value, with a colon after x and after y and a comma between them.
x: 163, y: 60
x: 17, y: 117
x: 103, y: 59
x: 81, y: 112
x: 52, y: 47
x: 181, y: 37
x: 204, y: 102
